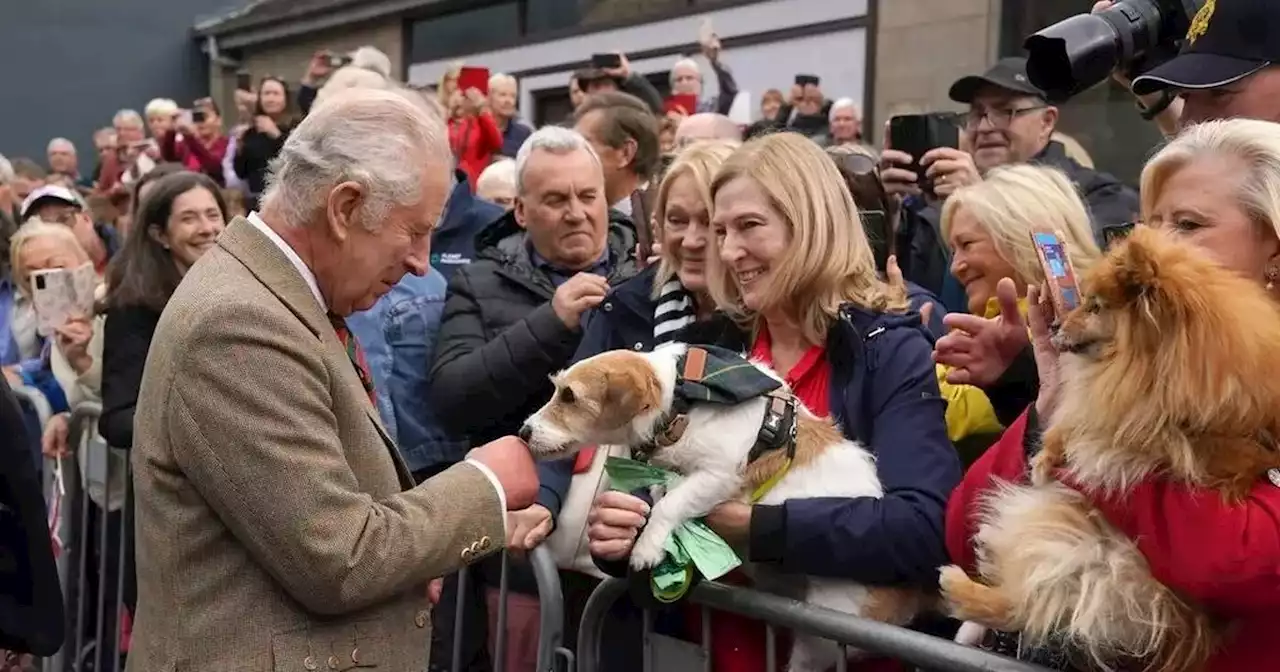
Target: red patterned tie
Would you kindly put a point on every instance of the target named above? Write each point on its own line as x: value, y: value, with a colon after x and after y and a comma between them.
x: 355, y: 353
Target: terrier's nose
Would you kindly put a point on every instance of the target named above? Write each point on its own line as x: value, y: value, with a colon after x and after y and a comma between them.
x: 525, y: 433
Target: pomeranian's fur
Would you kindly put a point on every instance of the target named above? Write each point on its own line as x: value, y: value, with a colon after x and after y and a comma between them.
x: 1169, y: 370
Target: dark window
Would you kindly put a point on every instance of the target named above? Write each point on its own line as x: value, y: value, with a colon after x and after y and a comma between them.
x: 549, y: 15
x: 1103, y: 119
x: 464, y: 32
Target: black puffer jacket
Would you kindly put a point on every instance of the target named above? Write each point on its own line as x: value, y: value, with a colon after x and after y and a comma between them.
x: 499, y: 337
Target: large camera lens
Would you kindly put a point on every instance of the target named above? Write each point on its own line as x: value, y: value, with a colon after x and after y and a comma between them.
x: 1069, y: 57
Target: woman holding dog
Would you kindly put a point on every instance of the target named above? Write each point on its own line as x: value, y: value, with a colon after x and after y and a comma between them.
x: 797, y: 287
x: 1215, y: 186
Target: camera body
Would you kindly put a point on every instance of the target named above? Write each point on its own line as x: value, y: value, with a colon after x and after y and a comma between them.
x: 1131, y: 35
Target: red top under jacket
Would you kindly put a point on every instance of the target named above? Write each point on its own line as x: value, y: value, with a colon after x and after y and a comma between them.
x: 1226, y: 558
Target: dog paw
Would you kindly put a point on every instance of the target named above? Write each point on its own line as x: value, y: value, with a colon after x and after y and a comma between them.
x: 951, y: 578
x: 1042, y: 467
x: 648, y: 551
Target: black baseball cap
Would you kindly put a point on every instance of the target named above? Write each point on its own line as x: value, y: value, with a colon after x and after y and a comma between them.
x: 1008, y: 73
x: 1228, y: 41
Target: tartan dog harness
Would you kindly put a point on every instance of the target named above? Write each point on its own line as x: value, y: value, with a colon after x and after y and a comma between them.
x: 712, y: 375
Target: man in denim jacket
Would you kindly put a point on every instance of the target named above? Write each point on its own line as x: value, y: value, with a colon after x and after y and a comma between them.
x: 398, y: 335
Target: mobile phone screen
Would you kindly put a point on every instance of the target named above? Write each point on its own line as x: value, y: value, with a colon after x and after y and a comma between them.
x: 1058, y: 273
x: 916, y: 134
x: 606, y: 61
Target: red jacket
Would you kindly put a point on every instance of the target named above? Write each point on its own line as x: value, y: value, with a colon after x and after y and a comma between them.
x: 194, y: 155
x: 1226, y: 558
x: 474, y: 140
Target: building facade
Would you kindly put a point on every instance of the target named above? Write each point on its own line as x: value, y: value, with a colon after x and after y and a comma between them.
x: 892, y: 56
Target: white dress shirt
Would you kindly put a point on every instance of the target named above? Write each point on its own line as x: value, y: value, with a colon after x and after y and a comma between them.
x: 310, y: 279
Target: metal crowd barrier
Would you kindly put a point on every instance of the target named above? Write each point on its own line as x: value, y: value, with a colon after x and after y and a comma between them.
x: 881, y: 639
x: 79, y: 520
x: 550, y: 615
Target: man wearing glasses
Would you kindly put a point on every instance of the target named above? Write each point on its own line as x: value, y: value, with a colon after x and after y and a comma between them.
x: 1009, y: 121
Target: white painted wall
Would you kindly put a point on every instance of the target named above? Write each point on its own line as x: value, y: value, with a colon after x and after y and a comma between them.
x: 838, y: 58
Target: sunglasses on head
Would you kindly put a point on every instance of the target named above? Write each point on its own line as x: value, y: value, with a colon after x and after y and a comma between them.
x: 852, y: 163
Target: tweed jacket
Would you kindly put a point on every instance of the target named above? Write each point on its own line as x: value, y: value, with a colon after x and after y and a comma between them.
x: 277, y: 525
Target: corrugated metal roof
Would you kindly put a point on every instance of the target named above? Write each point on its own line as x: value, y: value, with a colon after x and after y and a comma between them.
x: 263, y: 12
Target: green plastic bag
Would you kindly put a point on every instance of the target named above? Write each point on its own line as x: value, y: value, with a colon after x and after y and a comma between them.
x: 693, y: 546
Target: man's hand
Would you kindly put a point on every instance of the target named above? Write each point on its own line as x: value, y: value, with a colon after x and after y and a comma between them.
x: 623, y: 71
x: 317, y: 68
x: 511, y: 462
x: 950, y: 169
x: 614, y: 523
x: 527, y: 528
x: 581, y: 293
x: 978, y: 349
x: 54, y: 441
x: 711, y: 48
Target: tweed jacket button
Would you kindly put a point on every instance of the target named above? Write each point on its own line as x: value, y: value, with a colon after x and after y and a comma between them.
x: 310, y: 663
x: 419, y: 620
x: 466, y: 554
x: 485, y: 543
x: 334, y: 662
x: 355, y: 655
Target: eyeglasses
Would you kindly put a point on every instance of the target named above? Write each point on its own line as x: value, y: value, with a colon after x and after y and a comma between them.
x: 997, y: 118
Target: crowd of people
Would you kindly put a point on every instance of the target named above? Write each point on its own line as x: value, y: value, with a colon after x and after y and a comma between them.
x: 353, y: 249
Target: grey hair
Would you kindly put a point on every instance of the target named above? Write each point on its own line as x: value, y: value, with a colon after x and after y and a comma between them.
x: 500, y: 173
x: 841, y: 104
x: 161, y: 106
x: 502, y: 78
x: 127, y: 117
x: 554, y: 139
x: 6, y: 171
x: 381, y: 139
x: 685, y: 63
x: 372, y: 59
x: 60, y: 142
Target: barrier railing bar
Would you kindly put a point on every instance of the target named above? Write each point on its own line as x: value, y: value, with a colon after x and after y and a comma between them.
x: 455, y: 660
x: 550, y: 608
x: 646, y: 639
x: 592, y: 624
x: 878, y: 638
x: 500, y: 637
x: 770, y: 648
x: 706, y: 640
x: 126, y: 538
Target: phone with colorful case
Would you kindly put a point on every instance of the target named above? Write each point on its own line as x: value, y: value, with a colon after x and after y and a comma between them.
x: 1059, y: 275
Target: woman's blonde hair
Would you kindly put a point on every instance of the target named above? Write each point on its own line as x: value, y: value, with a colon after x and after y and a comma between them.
x: 1013, y: 200
x: 442, y: 92
x: 35, y: 229
x: 1256, y: 143
x: 700, y: 161
x: 828, y: 262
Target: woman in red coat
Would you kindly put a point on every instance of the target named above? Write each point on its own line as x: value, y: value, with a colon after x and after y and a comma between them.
x: 1210, y: 187
x: 473, y: 134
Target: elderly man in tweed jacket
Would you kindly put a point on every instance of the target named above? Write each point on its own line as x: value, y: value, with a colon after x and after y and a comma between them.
x: 277, y: 525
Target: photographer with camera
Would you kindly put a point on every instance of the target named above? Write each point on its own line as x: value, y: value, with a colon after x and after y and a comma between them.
x: 1195, y: 60
x: 1009, y: 121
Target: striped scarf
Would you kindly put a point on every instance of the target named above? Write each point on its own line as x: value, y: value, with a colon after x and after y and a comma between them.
x: 675, y: 311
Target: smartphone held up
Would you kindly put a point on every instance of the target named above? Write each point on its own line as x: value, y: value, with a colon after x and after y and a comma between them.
x: 1059, y: 274
x: 60, y: 295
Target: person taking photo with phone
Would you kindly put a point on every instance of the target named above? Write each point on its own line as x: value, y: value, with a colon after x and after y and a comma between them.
x: 197, y: 141
x: 1009, y: 121
x: 262, y: 139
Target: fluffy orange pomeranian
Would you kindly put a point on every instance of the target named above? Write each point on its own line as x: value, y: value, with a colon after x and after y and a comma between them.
x: 1170, y: 369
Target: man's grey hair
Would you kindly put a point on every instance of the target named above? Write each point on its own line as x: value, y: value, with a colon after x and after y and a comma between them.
x: 372, y: 59
x: 843, y: 104
x: 127, y: 118
x: 6, y: 171
x: 554, y: 139
x: 685, y: 64
x: 501, y: 78
x: 380, y: 139
x: 61, y: 143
